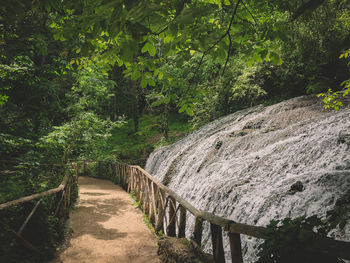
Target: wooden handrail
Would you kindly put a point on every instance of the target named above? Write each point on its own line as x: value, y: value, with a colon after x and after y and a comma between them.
x: 332, y: 247
x: 162, y: 204
x: 61, y: 211
x: 35, y: 196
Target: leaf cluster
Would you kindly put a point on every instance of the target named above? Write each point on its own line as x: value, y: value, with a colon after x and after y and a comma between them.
x: 291, y: 240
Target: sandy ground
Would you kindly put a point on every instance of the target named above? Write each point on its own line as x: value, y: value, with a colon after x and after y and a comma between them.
x: 107, y: 227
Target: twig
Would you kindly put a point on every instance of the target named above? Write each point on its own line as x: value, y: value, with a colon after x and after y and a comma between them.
x: 222, y: 37
x: 250, y: 12
x: 228, y: 54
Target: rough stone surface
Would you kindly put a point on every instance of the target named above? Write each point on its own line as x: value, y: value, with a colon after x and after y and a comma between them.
x: 295, y: 140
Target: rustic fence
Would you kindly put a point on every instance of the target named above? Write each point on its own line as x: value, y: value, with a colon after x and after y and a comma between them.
x: 166, y: 210
x: 167, y: 213
x: 63, y: 199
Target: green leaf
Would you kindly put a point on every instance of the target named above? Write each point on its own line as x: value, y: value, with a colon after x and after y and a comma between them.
x: 151, y: 82
x: 183, y: 108
x: 158, y: 103
x: 257, y: 57
x: 148, y: 47
x: 145, y: 48
x: 151, y: 50
x: 275, y: 58
x: 189, y: 111
x: 136, y: 75
x: 144, y: 83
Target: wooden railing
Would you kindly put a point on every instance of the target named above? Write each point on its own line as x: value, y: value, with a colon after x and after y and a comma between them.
x: 157, y: 200
x: 166, y: 210
x: 63, y: 201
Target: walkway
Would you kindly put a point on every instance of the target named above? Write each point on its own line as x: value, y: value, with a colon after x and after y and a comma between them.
x: 107, y: 227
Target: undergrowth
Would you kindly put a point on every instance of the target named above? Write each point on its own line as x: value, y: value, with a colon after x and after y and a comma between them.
x: 293, y: 240
x: 146, y: 218
x: 134, y: 148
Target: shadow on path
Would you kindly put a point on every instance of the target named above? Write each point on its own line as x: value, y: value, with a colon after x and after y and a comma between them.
x: 107, y: 227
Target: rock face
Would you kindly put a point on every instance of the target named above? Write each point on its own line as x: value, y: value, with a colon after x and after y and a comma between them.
x: 262, y: 163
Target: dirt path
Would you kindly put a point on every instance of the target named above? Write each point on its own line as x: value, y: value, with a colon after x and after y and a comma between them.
x: 107, y: 227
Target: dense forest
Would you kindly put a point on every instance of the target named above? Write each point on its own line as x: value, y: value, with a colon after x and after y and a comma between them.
x: 114, y: 79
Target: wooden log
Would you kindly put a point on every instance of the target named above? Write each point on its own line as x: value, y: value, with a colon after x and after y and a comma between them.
x: 218, y: 248
x: 182, y: 225
x: 112, y: 173
x: 68, y: 199
x: 198, y: 230
x: 171, y: 228
x: 76, y: 169
x: 127, y: 176
x: 147, y: 195
x: 21, y: 239
x: 337, y: 248
x: 153, y: 209
x: 121, y: 176
x: 19, y: 232
x: 139, y: 186
x: 236, y: 248
x: 161, y: 201
x: 35, y: 196
x: 137, y: 181
x: 99, y: 169
x: 130, y: 180
x: 122, y: 168
x: 161, y: 215
x: 59, y: 204
x: 124, y: 176
x: 142, y: 192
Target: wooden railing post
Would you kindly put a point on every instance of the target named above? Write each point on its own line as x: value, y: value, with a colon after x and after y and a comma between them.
x: 198, y: 230
x: 153, y: 205
x: 19, y: 232
x: 99, y: 169
x: 129, y: 188
x: 147, y: 197
x: 236, y: 249
x: 138, y: 186
x: 142, y: 191
x: 133, y: 180
x: 162, y: 208
x: 123, y: 175
x: 182, y: 225
x: 218, y: 248
x: 155, y: 198
x: 112, y: 168
x: 171, y: 228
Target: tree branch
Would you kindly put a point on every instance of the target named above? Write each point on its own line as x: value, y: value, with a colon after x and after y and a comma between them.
x: 250, y: 12
x: 228, y: 54
x: 227, y: 33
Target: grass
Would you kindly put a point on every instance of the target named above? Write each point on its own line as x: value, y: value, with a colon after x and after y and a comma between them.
x: 146, y: 218
x: 134, y: 148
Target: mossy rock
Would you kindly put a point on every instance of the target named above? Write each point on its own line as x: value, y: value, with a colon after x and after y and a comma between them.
x: 181, y: 250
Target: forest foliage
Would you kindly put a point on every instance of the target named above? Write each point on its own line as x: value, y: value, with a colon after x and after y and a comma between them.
x: 114, y: 79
